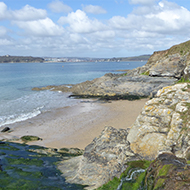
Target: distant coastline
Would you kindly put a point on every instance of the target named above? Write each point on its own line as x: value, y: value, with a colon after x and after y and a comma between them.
x: 20, y: 59
x: 30, y: 59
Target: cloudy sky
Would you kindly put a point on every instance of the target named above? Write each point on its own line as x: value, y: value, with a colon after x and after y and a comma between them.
x: 92, y: 28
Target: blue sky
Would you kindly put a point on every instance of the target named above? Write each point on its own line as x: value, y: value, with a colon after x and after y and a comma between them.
x: 92, y: 28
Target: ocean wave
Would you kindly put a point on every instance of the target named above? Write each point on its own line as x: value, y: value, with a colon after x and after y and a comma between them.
x: 6, y: 120
x: 29, y: 106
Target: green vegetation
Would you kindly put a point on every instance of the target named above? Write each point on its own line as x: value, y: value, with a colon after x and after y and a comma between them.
x: 182, y: 48
x: 159, y: 183
x: 30, y: 138
x: 182, y: 80
x: 23, y: 161
x: 19, y: 59
x: 20, y: 170
x: 164, y: 170
x: 135, y: 183
x: 145, y: 73
x: 135, y: 58
x: 111, y: 185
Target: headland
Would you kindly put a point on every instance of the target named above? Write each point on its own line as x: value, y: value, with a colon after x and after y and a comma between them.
x: 155, y: 147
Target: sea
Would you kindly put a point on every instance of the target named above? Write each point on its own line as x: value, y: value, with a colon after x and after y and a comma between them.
x: 17, y: 100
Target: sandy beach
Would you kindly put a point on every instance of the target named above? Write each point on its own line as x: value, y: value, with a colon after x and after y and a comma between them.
x: 77, y: 126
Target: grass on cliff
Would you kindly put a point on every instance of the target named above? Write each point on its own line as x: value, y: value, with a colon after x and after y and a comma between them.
x: 135, y: 183
x: 183, y: 80
x: 182, y: 49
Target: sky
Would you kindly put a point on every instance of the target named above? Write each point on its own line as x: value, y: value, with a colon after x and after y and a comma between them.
x: 92, y: 28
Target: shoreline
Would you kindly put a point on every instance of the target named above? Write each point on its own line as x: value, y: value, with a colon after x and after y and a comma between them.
x: 76, y: 126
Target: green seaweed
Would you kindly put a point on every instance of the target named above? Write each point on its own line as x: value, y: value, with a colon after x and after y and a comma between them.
x: 23, y: 161
x: 20, y: 170
x: 28, y: 138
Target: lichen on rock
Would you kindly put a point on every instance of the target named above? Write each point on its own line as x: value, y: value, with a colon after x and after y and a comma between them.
x: 163, y: 124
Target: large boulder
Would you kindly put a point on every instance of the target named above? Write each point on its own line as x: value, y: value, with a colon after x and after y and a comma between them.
x: 163, y: 124
x: 102, y: 160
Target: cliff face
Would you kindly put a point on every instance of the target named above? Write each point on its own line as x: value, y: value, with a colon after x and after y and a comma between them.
x: 164, y: 124
x: 162, y: 128
x: 174, y: 62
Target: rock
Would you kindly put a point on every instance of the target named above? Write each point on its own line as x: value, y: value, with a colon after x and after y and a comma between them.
x: 173, y: 62
x: 6, y: 129
x: 71, y: 151
x: 169, y: 66
x: 186, y: 72
x: 168, y: 172
x: 163, y: 124
x: 102, y: 160
x: 123, y: 86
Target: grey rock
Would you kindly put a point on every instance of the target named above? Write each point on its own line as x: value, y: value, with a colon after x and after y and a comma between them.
x: 102, y: 160
x: 169, y: 66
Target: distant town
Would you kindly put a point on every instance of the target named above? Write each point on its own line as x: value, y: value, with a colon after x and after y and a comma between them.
x: 29, y: 59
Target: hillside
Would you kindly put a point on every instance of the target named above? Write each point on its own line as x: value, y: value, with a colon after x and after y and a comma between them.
x: 19, y: 59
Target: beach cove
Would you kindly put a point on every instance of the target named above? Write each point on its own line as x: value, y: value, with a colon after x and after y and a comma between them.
x: 76, y: 126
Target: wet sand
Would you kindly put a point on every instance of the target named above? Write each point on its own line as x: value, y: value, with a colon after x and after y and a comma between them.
x: 77, y: 126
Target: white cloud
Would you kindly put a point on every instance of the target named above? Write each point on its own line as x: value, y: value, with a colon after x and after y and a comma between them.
x: 143, y: 2
x: 165, y: 18
x: 5, y: 42
x: 150, y: 26
x: 43, y: 27
x: 28, y: 13
x: 58, y: 7
x: 94, y: 9
x: 3, y: 11
x: 3, y: 31
x: 80, y: 23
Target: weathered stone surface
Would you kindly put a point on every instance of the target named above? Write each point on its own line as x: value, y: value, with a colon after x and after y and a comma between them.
x: 169, y: 66
x: 186, y: 72
x: 103, y: 159
x: 164, y: 123
x: 116, y: 85
x: 168, y: 172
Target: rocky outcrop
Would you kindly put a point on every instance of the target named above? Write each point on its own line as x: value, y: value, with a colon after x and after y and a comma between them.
x: 113, y: 85
x: 170, y: 66
x: 168, y: 172
x: 173, y: 62
x: 164, y: 124
x: 102, y: 160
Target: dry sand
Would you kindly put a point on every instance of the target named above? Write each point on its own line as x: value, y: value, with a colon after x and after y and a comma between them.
x: 77, y: 126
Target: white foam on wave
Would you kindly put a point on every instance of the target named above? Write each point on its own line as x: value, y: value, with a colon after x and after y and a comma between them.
x: 17, y: 118
x: 30, y: 106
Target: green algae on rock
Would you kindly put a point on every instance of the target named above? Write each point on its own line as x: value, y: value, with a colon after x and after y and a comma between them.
x: 21, y: 168
x: 28, y: 138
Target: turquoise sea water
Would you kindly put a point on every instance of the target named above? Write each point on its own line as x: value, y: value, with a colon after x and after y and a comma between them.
x: 18, y: 102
